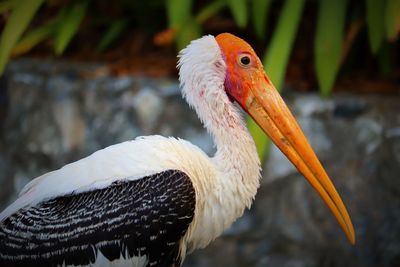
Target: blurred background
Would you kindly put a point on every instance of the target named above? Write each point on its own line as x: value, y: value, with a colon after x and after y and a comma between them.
x: 77, y: 76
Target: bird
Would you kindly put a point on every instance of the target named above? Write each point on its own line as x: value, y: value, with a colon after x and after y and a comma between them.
x: 153, y: 200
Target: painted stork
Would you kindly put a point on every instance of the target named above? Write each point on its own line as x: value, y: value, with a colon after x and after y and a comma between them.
x: 153, y: 200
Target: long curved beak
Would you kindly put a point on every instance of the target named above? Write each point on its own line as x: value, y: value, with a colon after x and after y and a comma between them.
x: 266, y: 107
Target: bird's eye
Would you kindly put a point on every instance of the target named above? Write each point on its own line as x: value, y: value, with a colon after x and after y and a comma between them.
x: 244, y: 60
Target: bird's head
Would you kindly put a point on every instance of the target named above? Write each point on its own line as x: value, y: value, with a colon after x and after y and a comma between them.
x: 244, y: 69
x: 215, y: 69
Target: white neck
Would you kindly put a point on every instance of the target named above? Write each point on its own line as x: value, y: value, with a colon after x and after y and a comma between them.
x: 236, y: 158
x: 236, y: 161
x: 236, y: 164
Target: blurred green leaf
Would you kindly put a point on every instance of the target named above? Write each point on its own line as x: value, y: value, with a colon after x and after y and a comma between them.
x: 209, y: 10
x: 69, y: 26
x: 239, y: 11
x: 32, y: 38
x: 112, y: 33
x: 277, y: 55
x: 328, y: 42
x: 263, y: 143
x: 260, y: 10
x: 6, y: 5
x: 180, y: 19
x: 392, y: 19
x: 375, y: 23
x: 191, y: 31
x: 276, y: 59
x: 16, y: 24
x: 178, y: 12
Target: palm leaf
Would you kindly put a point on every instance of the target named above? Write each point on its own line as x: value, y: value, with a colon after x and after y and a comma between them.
x: 112, y: 33
x: 69, y: 26
x: 191, y: 31
x: 328, y: 42
x: 178, y: 12
x: 392, y: 19
x: 259, y: 13
x: 375, y: 23
x: 209, y: 10
x: 16, y: 24
x: 32, y: 38
x: 239, y: 11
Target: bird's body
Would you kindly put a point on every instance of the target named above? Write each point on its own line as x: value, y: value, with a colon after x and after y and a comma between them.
x: 150, y: 201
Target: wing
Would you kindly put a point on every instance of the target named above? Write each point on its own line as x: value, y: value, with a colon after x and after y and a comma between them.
x: 130, y: 160
x: 140, y: 220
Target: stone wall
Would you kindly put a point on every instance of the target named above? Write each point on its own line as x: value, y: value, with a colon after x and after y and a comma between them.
x: 50, y: 114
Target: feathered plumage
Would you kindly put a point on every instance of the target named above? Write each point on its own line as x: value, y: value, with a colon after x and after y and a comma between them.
x: 150, y: 201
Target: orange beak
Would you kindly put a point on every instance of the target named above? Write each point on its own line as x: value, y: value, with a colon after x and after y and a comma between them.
x: 266, y: 107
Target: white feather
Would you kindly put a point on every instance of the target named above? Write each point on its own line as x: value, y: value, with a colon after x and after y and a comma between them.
x: 102, y: 261
x: 225, y: 184
x: 129, y: 160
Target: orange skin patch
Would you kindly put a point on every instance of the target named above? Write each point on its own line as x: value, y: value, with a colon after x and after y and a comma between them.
x: 240, y: 78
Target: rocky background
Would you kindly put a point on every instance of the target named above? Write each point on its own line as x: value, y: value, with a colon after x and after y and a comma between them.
x: 52, y: 114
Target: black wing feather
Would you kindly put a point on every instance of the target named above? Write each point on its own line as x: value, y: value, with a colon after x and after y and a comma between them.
x: 147, y: 216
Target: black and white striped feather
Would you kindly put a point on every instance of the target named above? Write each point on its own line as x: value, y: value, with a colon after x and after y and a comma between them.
x: 140, y: 218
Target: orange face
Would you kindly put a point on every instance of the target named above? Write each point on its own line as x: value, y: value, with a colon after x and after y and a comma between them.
x: 247, y: 83
x: 244, y: 68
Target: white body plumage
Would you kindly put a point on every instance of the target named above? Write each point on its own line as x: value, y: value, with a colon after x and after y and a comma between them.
x: 225, y: 184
